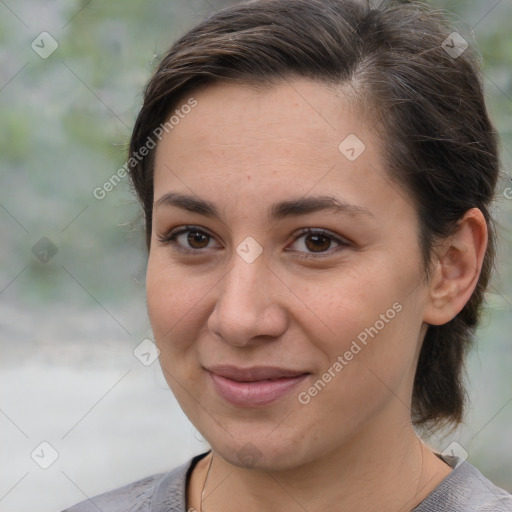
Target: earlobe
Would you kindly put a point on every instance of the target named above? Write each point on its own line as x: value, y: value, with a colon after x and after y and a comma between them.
x: 459, y: 260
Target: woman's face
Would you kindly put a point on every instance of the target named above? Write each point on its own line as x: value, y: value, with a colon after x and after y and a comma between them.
x: 283, y: 345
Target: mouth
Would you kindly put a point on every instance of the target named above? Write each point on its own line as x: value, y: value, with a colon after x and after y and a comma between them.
x: 255, y: 386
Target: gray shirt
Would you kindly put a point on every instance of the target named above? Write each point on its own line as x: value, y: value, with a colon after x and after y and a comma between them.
x: 465, y: 489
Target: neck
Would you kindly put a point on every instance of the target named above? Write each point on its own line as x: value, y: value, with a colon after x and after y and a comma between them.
x: 384, y: 468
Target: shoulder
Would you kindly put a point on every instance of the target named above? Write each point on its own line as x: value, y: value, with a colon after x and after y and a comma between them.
x: 163, y: 492
x: 136, y: 496
x: 466, y: 489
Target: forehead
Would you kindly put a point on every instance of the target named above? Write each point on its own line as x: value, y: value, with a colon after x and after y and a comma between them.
x: 275, y: 105
x: 299, y: 134
x: 241, y: 120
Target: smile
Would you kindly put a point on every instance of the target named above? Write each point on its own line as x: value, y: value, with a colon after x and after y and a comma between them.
x: 257, y: 386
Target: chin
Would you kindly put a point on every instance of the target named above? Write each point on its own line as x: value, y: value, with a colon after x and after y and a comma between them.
x: 256, y: 449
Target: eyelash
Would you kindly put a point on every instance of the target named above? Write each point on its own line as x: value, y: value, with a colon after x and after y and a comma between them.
x: 170, y: 239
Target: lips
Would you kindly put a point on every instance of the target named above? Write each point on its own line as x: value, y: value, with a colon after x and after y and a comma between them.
x: 254, y: 386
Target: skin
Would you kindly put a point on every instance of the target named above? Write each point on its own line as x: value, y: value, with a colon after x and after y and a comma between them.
x: 244, y: 149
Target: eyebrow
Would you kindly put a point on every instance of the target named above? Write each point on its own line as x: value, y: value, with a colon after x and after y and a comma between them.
x: 277, y: 211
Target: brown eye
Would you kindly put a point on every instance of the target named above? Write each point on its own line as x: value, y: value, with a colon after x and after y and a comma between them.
x: 188, y: 239
x: 317, y: 242
x: 197, y: 239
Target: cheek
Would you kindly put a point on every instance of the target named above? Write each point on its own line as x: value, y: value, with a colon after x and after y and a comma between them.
x: 362, y: 378
x: 374, y: 325
x: 174, y: 308
x: 173, y: 301
x: 351, y: 304
x: 383, y: 356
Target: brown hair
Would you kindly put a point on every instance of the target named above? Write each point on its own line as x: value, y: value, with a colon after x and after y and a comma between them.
x: 437, y: 140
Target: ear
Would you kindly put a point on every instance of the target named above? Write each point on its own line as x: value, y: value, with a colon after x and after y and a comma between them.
x: 458, y: 263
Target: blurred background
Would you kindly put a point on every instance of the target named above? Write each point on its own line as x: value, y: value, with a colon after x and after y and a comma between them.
x: 83, y: 405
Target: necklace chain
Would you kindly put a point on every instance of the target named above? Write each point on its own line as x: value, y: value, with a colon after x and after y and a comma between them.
x: 204, y: 483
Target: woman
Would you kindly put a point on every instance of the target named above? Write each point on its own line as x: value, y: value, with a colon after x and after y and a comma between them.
x: 316, y: 178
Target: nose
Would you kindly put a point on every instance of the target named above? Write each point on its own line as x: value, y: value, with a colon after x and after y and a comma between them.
x: 247, y: 306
